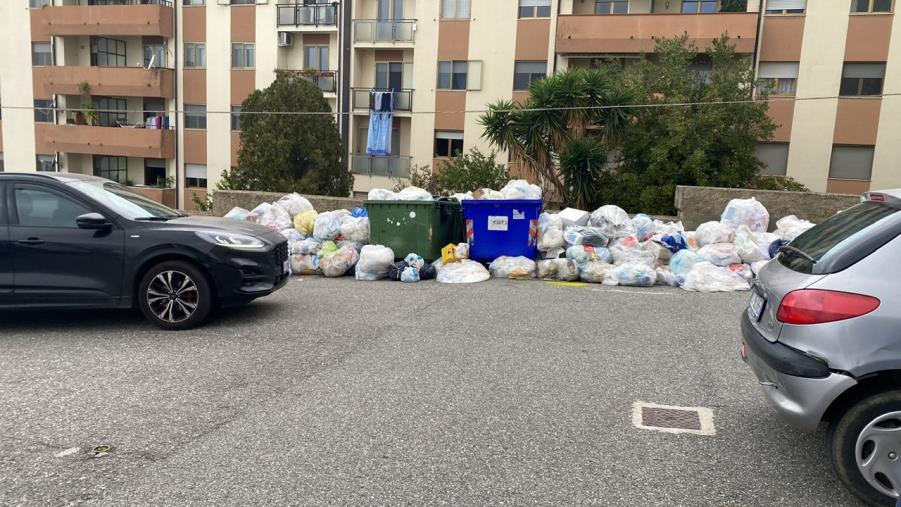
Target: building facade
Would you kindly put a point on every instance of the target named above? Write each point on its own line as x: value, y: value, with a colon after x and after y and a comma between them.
x: 167, y: 78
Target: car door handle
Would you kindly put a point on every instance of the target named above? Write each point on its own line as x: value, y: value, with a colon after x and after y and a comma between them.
x: 30, y: 241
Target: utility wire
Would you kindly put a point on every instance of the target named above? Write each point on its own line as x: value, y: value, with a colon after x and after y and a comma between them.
x: 467, y: 111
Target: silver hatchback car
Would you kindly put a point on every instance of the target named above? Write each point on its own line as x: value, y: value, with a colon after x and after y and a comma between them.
x: 822, y: 333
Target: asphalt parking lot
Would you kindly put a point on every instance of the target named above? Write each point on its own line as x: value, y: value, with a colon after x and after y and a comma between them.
x: 345, y: 392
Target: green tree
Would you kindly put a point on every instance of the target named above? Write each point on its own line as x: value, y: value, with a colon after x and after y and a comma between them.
x: 289, y: 152
x: 568, y: 106
x: 694, y: 129
x: 471, y: 171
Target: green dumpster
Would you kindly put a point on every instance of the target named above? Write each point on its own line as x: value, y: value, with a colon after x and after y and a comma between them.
x: 421, y: 227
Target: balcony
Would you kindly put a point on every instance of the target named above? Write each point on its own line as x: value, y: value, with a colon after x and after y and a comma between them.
x: 305, y: 17
x: 635, y: 33
x: 390, y: 32
x: 364, y: 98
x: 112, y: 141
x: 393, y: 167
x: 125, y: 18
x: 326, y: 80
x: 106, y: 81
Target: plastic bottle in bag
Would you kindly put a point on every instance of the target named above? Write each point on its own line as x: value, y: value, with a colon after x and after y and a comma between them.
x: 515, y: 268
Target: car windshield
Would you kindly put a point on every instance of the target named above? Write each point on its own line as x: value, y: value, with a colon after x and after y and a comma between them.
x: 843, y: 239
x: 125, y: 202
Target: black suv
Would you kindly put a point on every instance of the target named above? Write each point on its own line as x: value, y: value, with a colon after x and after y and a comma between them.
x: 75, y: 241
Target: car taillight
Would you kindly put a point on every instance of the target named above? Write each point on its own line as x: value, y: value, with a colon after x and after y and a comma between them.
x: 811, y: 306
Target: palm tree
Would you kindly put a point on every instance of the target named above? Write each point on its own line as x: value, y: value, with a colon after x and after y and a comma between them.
x: 581, y: 105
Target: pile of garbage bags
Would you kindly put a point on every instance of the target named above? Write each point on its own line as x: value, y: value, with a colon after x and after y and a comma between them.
x: 606, y: 246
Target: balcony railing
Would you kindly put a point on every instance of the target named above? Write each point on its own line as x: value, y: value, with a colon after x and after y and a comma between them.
x: 125, y: 18
x: 393, y: 167
x: 307, y: 15
x: 391, y: 31
x: 107, y: 81
x: 364, y: 98
x: 326, y: 80
x: 112, y: 141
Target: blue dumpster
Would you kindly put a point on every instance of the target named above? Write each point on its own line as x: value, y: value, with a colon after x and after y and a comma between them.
x: 502, y: 227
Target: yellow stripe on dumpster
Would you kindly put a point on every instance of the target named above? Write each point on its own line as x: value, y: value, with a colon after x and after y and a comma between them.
x: 567, y: 284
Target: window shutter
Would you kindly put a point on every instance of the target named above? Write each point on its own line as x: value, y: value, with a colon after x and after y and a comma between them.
x: 864, y: 70
x: 195, y: 171
x: 784, y: 5
x: 770, y: 70
x: 449, y: 135
x: 534, y: 3
x: 408, y: 76
x: 851, y: 162
x: 474, y: 79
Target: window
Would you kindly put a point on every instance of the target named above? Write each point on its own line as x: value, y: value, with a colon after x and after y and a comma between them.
x: 611, y: 7
x: 699, y: 6
x: 871, y: 5
x: 45, y: 163
x: 43, y: 111
x: 527, y: 72
x: 862, y: 79
x: 195, y: 175
x: 448, y: 144
x: 786, y: 6
x: 154, y: 171
x: 153, y: 107
x: 389, y: 76
x: 195, y: 116
x: 236, y: 118
x: 34, y: 4
x: 111, y: 112
x: 242, y: 55
x: 534, y: 8
x: 155, y: 53
x: 195, y: 54
x: 315, y: 57
x: 851, y: 162
x: 1, y: 162
x: 41, y: 53
x: 452, y: 75
x: 192, y: 2
x: 778, y: 78
x: 107, y: 52
x: 37, y: 207
x: 111, y: 168
x: 455, y: 9
x: 242, y: 2
x: 774, y: 157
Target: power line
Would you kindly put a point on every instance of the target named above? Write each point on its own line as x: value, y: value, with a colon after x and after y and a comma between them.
x: 466, y: 111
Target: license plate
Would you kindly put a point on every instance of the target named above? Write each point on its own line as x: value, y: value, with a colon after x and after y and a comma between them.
x: 286, y: 267
x: 755, y: 306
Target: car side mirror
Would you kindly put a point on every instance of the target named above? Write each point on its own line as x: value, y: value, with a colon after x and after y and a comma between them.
x: 93, y: 221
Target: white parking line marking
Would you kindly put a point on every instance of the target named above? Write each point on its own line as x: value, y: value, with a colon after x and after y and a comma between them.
x: 705, y: 415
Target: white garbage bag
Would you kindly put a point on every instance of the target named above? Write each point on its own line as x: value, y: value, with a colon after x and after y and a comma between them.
x: 572, y: 217
x: 338, y: 263
x: 550, y: 231
x: 596, y: 271
x: 380, y: 194
x: 629, y: 251
x: 414, y: 260
x: 521, y: 189
x: 705, y: 277
x: 713, y: 232
x: 294, y: 204
x: 292, y: 235
x: 668, y: 228
x: 487, y: 194
x: 355, y: 229
x: 410, y: 274
x: 683, y: 260
x: 748, y: 249
x: 610, y: 218
x: 667, y: 277
x: 271, y: 216
x: 720, y: 254
x: 791, y: 227
x: 302, y: 264
x: 582, y: 255
x: 515, y: 268
x: 635, y: 274
x: 645, y: 227
x: 374, y: 263
x: 309, y: 246
x: 594, y: 236
x: 237, y: 213
x: 414, y: 194
x: 747, y: 212
x: 328, y: 225
x: 558, y: 269
x: 466, y: 271
x: 462, y: 251
x: 463, y: 197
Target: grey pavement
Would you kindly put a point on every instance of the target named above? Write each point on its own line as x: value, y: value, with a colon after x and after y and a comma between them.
x: 345, y: 392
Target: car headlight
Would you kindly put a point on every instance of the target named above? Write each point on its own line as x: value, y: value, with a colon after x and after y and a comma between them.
x: 232, y: 240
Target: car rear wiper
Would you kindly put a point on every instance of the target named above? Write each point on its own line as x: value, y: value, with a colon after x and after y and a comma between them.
x: 797, y: 251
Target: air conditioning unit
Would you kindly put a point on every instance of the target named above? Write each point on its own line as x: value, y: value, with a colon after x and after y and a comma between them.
x: 285, y: 39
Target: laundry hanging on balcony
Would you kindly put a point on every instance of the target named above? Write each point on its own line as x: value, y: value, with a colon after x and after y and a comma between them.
x: 381, y: 118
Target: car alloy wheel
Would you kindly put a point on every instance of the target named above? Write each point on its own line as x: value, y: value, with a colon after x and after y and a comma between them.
x: 878, y: 453
x: 172, y: 296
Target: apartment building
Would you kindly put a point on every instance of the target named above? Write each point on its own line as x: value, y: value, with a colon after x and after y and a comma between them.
x: 171, y: 75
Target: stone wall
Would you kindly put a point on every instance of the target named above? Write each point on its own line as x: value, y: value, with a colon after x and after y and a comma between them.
x: 225, y: 200
x: 697, y: 205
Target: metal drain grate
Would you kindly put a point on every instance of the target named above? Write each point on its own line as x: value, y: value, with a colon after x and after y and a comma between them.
x: 667, y: 419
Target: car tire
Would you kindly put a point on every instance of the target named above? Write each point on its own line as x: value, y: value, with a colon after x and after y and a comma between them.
x: 175, y: 295
x: 856, y: 433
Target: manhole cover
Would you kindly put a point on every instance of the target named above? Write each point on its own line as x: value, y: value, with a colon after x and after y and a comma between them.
x: 667, y: 419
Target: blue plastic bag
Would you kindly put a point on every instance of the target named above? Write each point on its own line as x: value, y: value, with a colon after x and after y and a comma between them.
x: 360, y: 213
x: 674, y: 242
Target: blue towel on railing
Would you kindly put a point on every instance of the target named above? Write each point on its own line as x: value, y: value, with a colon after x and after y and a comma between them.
x: 381, y: 121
